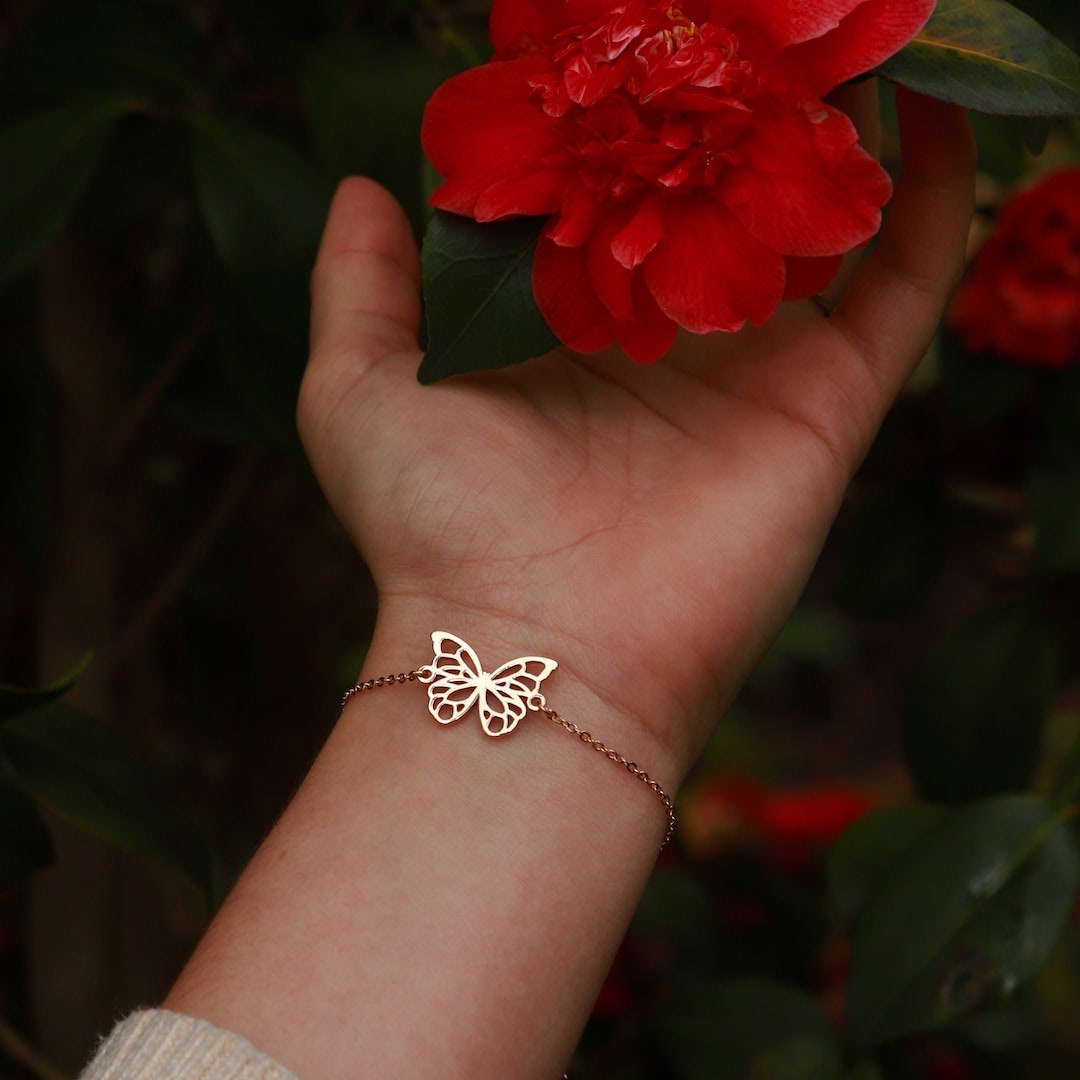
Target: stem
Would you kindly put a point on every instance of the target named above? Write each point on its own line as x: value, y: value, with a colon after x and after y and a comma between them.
x: 22, y: 1053
x: 989, y: 498
x: 187, y: 562
x: 133, y: 422
x: 74, y: 963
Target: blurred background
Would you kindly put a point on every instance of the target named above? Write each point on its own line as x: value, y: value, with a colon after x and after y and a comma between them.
x: 168, y: 569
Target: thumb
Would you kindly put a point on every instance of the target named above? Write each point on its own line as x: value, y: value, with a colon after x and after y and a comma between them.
x: 365, y: 316
x: 365, y: 288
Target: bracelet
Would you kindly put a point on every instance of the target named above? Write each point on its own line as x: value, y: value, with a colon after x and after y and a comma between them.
x: 456, y: 682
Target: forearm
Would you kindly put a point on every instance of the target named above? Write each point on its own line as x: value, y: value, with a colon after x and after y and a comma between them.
x: 435, y: 902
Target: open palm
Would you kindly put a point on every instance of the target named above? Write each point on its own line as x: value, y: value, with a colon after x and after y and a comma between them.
x: 651, y: 526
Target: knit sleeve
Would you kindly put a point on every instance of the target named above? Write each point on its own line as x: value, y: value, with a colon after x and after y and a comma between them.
x: 156, y: 1044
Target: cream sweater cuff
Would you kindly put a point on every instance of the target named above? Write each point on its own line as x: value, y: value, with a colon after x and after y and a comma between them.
x: 156, y: 1044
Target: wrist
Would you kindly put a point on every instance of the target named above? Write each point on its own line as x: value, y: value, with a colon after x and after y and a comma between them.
x: 641, y: 731
x: 420, y: 869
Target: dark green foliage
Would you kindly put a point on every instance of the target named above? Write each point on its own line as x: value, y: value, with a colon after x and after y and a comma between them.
x: 889, y: 548
x: 962, y: 918
x: 1055, y: 511
x: 976, y: 709
x: 868, y: 851
x: 121, y: 48
x: 25, y: 843
x: 990, y: 56
x: 722, y: 1031
x: 88, y: 773
x: 478, y: 286
x: 15, y: 700
x: 58, y: 151
x: 264, y: 207
x: 387, y: 82
x: 1066, y: 791
x: 980, y: 388
x: 190, y: 152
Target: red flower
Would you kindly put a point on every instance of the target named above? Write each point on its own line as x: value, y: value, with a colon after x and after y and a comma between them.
x: 691, y: 173
x: 792, y: 827
x: 802, y: 824
x: 1021, y: 299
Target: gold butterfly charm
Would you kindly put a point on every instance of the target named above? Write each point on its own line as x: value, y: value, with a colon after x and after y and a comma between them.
x: 456, y: 682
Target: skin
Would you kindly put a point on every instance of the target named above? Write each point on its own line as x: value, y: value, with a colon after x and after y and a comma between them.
x: 437, y: 903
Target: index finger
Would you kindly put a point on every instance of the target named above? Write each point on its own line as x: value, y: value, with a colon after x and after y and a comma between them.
x: 893, y: 305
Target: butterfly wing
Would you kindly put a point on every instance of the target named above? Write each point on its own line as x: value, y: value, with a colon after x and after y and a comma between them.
x: 455, y: 686
x: 508, y: 691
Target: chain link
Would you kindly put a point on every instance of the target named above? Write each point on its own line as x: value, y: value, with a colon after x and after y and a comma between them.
x: 384, y: 680
x: 424, y: 674
x: 631, y: 767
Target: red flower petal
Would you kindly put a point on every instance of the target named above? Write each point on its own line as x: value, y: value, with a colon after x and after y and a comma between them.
x: 872, y: 33
x: 610, y: 279
x: 807, y: 276
x: 641, y: 234
x: 521, y: 26
x: 709, y: 273
x: 482, y: 132
x: 688, y: 170
x: 580, y: 215
x: 588, y: 299
x: 805, y: 186
x: 788, y: 22
x: 651, y: 333
x: 566, y: 298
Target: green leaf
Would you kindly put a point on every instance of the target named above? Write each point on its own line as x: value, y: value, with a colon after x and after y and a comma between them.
x: 87, y: 772
x: 869, y: 848
x: 976, y: 707
x: 802, y: 1058
x: 751, y: 1027
x: 478, y: 287
x: 1007, y: 1027
x: 364, y: 97
x: 15, y: 700
x: 93, y: 48
x: 964, y: 918
x: 49, y: 160
x: 989, y: 56
x: 264, y: 207
x: 1055, y: 510
x: 25, y: 843
x: 1060, y: 19
x: 889, y: 546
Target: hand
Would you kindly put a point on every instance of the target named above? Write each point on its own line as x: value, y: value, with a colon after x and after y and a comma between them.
x: 649, y: 527
x: 428, y: 905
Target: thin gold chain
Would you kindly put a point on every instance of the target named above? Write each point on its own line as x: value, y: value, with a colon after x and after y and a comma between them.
x: 538, y: 702
x: 631, y: 767
x: 382, y: 680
